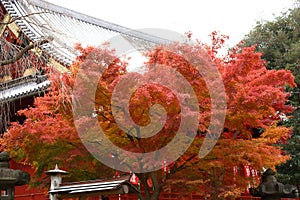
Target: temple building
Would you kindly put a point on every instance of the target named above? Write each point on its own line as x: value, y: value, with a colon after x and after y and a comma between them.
x: 36, y: 34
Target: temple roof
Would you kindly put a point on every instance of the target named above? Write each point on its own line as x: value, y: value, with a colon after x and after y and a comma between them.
x: 120, y: 185
x: 39, y: 19
x: 22, y: 87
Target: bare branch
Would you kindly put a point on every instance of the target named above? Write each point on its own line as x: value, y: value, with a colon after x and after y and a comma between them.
x: 24, y: 50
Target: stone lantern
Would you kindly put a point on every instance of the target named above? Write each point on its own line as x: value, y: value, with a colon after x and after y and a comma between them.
x: 271, y: 189
x: 56, y: 179
x: 9, y: 178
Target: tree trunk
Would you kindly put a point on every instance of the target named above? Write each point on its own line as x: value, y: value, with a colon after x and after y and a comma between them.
x: 152, y: 193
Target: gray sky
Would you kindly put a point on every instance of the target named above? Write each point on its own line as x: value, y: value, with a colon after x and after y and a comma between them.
x: 231, y: 17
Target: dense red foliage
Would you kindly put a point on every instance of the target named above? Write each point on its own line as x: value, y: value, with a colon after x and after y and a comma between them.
x: 255, y: 97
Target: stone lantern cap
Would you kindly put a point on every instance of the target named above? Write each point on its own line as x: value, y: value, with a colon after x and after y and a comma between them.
x: 56, y: 171
x: 4, y: 159
x: 269, y: 172
x: 4, y: 156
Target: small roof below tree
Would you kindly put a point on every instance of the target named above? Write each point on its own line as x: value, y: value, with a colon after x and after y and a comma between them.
x: 120, y: 185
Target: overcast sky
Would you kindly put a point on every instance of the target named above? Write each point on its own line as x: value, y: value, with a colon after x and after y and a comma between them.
x: 231, y: 17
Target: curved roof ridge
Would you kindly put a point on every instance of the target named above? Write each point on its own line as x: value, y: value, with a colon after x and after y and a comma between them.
x: 96, y: 21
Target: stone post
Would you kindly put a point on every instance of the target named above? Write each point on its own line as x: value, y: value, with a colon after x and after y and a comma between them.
x: 271, y: 189
x: 9, y: 178
x: 56, y: 180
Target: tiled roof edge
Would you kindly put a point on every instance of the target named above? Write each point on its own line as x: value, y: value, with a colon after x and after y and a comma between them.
x: 99, y: 22
x: 22, y: 80
x: 39, y: 89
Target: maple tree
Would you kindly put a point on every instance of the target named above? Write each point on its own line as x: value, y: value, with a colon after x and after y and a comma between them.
x: 256, y: 97
x: 48, y: 135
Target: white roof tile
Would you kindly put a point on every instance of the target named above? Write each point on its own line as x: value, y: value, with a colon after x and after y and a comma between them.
x: 94, y: 186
